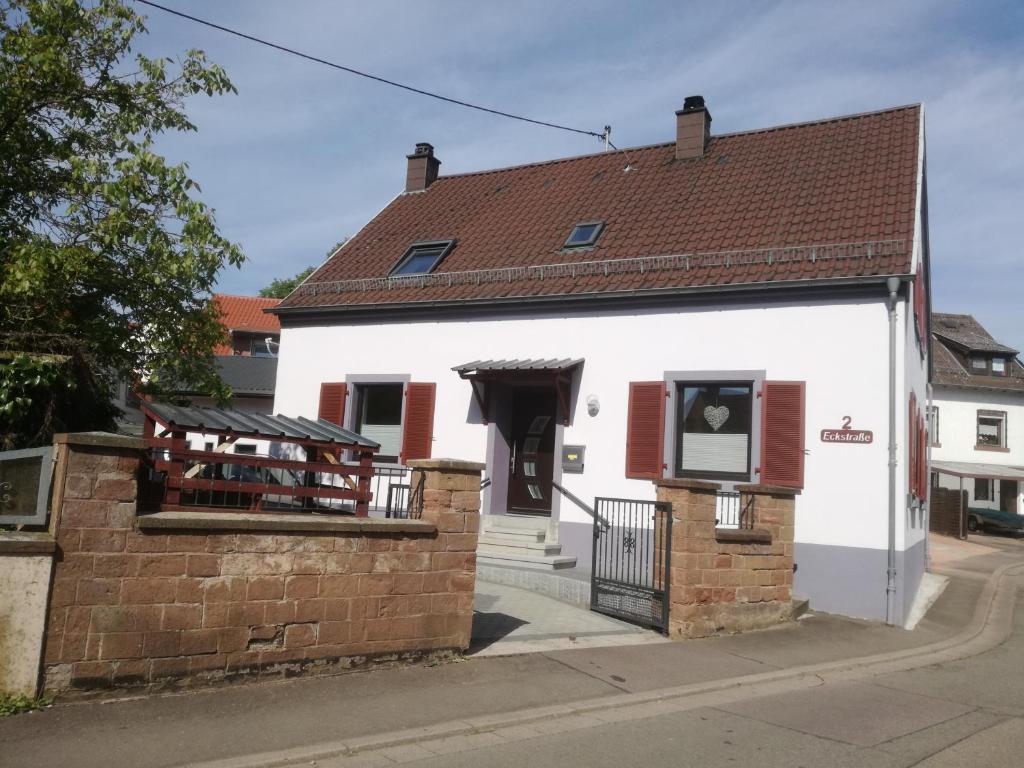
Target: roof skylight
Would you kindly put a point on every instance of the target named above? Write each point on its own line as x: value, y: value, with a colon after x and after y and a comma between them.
x: 584, y: 234
x: 422, y: 258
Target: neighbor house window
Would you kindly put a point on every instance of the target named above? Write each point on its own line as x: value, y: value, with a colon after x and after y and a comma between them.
x: 933, y: 424
x: 266, y: 347
x: 584, y: 234
x: 983, y: 489
x: 991, y: 429
x: 422, y: 258
x: 713, y: 428
x: 379, y: 417
x: 998, y: 366
x: 979, y: 365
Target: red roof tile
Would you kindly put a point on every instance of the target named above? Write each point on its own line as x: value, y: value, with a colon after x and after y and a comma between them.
x: 245, y: 313
x: 850, y: 180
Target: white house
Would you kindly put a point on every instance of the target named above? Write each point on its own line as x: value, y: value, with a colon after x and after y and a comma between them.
x: 743, y: 308
x: 977, y: 415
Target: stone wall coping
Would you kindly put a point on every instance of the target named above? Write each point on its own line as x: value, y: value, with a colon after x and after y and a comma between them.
x: 26, y: 543
x: 768, y: 490
x: 298, y: 523
x: 744, y: 535
x: 447, y: 465
x: 100, y: 439
x: 686, y: 482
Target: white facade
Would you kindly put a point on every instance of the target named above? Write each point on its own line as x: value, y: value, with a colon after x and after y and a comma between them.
x: 957, y: 438
x: 839, y: 347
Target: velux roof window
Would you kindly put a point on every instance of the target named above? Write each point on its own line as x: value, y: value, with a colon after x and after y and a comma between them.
x: 584, y: 234
x: 422, y: 258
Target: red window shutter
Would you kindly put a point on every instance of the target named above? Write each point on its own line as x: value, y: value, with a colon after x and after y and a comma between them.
x: 922, y: 460
x: 418, y: 427
x: 782, y: 433
x: 645, y: 430
x: 332, y: 402
x: 912, y: 446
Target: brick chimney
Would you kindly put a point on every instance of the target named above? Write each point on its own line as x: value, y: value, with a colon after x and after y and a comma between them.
x: 423, y: 167
x: 693, y: 128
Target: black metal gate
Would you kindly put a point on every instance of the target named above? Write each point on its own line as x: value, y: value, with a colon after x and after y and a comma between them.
x: 631, y: 562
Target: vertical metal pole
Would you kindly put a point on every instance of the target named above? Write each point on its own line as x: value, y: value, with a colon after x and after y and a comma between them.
x: 593, y: 554
x: 667, y: 581
x: 963, y: 533
x: 892, y: 284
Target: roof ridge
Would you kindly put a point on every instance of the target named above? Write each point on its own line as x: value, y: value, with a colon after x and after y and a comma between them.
x: 242, y: 296
x: 657, y: 145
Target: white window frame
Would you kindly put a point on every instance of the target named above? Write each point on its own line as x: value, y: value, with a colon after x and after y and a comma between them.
x: 1000, y: 416
x: 755, y: 378
x: 351, y: 419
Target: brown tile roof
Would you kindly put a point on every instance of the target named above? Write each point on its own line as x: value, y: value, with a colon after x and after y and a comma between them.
x: 849, y: 180
x: 245, y: 313
x: 967, y: 333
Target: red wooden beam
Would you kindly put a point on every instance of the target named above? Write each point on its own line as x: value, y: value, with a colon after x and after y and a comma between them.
x: 236, y: 486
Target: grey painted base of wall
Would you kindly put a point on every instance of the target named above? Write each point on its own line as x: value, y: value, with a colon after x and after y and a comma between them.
x: 851, y: 581
x: 577, y: 539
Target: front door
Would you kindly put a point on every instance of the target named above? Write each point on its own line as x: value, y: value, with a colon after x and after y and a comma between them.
x: 1008, y: 496
x: 532, y: 450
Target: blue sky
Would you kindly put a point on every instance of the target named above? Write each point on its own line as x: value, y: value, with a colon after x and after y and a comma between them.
x: 304, y: 155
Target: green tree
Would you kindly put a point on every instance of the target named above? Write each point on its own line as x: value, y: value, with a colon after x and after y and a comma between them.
x: 107, y: 256
x: 282, y: 286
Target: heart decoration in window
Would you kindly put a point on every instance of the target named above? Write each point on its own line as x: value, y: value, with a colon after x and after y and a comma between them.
x: 716, y: 417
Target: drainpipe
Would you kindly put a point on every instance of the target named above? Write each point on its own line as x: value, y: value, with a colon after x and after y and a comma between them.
x: 893, y: 284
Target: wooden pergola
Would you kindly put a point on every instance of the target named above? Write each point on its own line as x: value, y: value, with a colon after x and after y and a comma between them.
x: 189, y: 473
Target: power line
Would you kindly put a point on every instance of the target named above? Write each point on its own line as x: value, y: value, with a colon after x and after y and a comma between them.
x: 367, y: 75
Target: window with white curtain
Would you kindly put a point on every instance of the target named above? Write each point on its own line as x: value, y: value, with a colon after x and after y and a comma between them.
x: 379, y: 417
x: 713, y: 429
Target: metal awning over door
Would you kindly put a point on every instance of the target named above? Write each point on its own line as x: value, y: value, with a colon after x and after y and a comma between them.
x: 978, y: 469
x: 556, y: 372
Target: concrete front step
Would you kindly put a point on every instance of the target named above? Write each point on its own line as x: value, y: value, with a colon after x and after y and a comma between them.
x: 513, y: 535
x: 488, y: 546
x: 528, y: 522
x: 551, y: 562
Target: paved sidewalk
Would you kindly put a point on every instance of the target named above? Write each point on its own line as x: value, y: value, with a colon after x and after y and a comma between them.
x: 302, y: 713
x: 509, y: 620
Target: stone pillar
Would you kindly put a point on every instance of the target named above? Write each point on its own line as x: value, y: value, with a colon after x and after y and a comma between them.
x: 722, y: 579
x: 448, y: 493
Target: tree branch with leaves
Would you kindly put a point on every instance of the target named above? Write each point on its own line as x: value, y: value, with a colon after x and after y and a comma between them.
x: 108, y: 257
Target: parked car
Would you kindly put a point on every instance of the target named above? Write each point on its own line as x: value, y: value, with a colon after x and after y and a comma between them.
x: 981, y: 519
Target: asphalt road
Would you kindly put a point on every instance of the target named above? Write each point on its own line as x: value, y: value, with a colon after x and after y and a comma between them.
x: 968, y: 712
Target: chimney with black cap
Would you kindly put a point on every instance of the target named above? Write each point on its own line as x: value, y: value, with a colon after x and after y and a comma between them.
x: 693, y: 128
x: 423, y: 167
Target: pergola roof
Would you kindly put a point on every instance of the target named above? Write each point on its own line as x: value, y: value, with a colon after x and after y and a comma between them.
x: 225, y: 421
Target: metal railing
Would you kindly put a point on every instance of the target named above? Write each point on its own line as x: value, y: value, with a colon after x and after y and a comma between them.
x: 665, y: 262
x: 734, y: 509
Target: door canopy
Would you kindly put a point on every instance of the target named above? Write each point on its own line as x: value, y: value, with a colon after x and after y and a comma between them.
x: 556, y: 373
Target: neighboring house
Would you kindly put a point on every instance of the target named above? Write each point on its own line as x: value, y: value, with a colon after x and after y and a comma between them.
x: 713, y: 308
x: 976, y: 420
x: 252, y: 331
x: 247, y: 363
